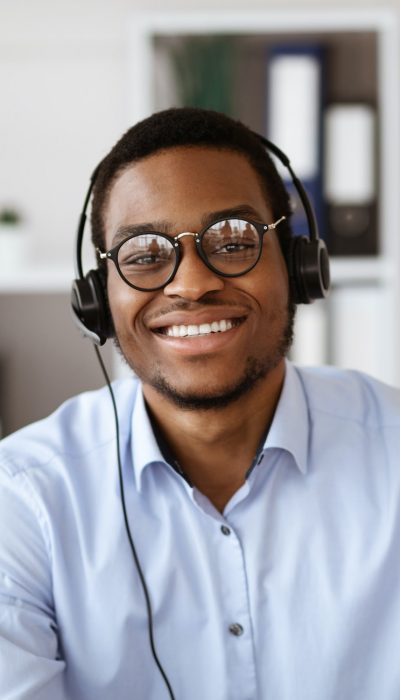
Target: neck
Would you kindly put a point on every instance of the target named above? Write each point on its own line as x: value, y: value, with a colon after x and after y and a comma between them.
x: 216, y: 447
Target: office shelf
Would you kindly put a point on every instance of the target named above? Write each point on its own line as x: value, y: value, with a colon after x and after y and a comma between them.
x: 36, y: 280
x: 351, y: 33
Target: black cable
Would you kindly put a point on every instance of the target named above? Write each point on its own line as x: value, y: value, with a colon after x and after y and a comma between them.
x: 128, y: 531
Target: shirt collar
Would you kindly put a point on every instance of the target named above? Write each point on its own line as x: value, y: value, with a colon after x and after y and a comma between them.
x: 290, y: 427
x: 145, y: 449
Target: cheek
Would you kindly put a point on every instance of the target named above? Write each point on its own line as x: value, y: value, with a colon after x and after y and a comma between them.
x: 276, y: 276
x: 269, y: 287
x: 125, y: 304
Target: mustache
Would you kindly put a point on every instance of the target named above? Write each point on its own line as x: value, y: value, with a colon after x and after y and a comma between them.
x: 183, y: 305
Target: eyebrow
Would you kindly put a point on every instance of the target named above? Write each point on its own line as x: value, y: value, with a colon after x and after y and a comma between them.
x: 242, y: 210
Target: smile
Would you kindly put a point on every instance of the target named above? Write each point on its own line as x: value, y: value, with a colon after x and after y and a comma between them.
x: 193, y: 330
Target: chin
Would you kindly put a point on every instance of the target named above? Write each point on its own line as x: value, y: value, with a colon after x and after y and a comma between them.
x: 212, y: 398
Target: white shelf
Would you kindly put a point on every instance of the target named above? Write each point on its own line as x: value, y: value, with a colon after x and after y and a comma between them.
x: 355, y: 270
x: 37, y: 280
x: 261, y: 21
x: 368, y: 270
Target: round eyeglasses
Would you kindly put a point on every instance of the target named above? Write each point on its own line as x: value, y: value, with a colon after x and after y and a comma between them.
x: 148, y: 260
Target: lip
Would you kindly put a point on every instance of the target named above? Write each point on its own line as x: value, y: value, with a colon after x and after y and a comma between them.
x: 200, y: 345
x: 196, y: 318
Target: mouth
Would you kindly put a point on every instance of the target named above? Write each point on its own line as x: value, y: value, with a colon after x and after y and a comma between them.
x: 193, y: 330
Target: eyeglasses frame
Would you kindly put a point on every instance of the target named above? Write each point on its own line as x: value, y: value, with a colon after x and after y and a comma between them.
x: 261, y: 229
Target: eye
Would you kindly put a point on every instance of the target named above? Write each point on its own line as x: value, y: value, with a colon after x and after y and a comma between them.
x: 233, y: 247
x: 141, y: 260
x: 144, y: 260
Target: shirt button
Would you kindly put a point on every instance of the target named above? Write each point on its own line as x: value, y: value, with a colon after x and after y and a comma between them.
x: 236, y: 629
x: 225, y: 530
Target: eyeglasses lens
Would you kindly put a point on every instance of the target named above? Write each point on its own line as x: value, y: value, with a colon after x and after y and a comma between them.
x: 231, y: 246
x: 147, y: 260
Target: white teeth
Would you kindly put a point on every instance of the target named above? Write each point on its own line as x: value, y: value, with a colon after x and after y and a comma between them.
x: 202, y: 329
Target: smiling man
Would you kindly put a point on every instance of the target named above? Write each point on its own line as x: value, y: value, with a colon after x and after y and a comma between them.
x: 203, y: 341
x: 262, y: 499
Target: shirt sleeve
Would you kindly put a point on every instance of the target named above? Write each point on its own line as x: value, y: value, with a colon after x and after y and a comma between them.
x: 31, y: 664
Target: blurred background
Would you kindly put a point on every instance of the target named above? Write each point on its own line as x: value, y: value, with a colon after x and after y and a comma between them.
x: 321, y: 80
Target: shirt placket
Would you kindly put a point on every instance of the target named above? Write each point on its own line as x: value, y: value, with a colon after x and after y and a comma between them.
x: 235, y: 615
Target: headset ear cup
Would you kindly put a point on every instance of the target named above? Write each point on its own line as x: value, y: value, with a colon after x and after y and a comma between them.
x: 309, y: 270
x: 90, y: 308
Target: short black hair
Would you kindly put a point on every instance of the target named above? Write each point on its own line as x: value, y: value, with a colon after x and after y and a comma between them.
x: 189, y: 126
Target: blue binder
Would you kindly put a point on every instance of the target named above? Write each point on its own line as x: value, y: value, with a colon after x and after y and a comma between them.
x: 294, y: 121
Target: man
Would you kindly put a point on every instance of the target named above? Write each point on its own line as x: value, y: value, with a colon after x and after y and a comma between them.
x: 262, y: 499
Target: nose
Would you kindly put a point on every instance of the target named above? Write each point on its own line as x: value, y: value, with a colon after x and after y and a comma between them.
x: 193, y: 278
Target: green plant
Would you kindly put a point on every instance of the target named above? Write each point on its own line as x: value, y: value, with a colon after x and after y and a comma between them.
x: 204, y: 68
x: 10, y: 216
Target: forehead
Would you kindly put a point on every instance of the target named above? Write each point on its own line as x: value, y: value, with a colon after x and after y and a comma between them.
x: 179, y: 184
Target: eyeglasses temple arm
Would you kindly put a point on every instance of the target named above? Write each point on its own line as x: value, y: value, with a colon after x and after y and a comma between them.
x: 313, y: 228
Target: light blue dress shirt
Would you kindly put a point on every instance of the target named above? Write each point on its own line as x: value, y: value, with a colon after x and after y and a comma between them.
x: 292, y: 594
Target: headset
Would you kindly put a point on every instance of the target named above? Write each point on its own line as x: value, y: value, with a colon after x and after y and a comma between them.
x: 307, y: 262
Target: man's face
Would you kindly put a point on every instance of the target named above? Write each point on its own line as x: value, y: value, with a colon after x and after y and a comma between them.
x: 182, y: 189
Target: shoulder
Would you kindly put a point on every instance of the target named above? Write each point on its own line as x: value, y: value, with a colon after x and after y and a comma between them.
x: 79, y: 426
x: 350, y: 395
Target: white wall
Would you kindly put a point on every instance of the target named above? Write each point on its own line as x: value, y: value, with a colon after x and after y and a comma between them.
x: 62, y: 95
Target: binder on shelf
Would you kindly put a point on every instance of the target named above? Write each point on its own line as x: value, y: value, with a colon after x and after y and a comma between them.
x: 295, y: 78
x: 350, y: 179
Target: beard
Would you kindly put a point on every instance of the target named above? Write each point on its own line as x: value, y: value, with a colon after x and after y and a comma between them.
x: 255, y: 370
